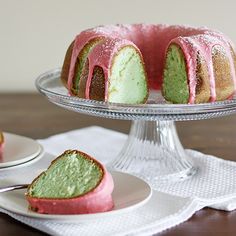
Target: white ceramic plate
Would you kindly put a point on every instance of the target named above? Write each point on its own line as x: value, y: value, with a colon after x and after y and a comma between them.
x: 18, y: 149
x: 129, y: 193
x: 27, y: 163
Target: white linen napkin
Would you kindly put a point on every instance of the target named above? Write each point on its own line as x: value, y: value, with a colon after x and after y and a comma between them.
x: 214, y: 185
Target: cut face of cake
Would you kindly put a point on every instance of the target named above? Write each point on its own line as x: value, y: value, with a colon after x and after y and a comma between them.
x: 73, y: 184
x: 175, y: 84
x: 127, y: 81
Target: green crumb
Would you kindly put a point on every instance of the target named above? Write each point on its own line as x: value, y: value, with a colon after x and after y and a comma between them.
x: 175, y: 83
x: 69, y: 176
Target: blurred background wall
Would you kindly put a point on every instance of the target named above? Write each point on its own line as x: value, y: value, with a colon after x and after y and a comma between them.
x: 34, y: 35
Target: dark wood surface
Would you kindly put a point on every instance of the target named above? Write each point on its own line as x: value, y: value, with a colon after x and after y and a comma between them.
x: 33, y: 116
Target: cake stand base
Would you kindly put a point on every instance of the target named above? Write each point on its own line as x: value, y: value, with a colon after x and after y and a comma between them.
x: 153, y: 152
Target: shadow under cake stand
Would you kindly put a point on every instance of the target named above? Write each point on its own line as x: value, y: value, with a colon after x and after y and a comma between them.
x: 153, y: 150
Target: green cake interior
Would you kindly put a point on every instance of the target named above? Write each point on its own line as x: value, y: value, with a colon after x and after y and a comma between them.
x: 81, y: 62
x: 175, y: 84
x: 127, y: 81
x: 70, y: 175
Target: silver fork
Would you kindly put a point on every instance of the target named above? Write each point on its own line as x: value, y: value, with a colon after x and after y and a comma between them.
x: 13, y: 187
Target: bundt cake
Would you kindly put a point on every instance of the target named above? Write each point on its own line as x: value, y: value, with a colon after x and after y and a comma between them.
x: 74, y: 183
x: 121, y: 63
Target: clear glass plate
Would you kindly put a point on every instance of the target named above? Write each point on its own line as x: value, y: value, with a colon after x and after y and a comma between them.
x: 156, y: 108
x: 153, y: 150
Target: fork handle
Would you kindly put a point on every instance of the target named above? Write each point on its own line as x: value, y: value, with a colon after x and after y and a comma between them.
x: 13, y: 187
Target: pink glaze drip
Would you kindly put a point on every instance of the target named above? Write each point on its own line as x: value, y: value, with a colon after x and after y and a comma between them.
x: 80, y: 41
x: 205, y: 46
x: 190, y: 53
x: 152, y: 41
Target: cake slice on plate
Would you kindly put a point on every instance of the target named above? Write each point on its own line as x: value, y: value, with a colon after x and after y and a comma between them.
x: 74, y: 183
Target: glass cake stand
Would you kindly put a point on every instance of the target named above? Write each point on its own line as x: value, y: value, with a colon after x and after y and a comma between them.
x: 153, y: 150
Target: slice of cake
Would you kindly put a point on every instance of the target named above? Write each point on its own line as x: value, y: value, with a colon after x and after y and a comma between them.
x: 74, y: 183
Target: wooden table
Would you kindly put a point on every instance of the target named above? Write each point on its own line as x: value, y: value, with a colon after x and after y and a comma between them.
x: 33, y: 116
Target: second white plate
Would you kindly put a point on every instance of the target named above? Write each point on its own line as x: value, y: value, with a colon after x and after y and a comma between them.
x: 129, y: 193
x: 18, y: 149
x: 24, y: 164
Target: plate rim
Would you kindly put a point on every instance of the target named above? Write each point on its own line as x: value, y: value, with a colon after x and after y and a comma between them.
x: 25, y: 158
x: 26, y: 163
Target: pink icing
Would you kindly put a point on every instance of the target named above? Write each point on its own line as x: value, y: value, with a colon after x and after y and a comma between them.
x: 152, y: 41
x: 98, y: 200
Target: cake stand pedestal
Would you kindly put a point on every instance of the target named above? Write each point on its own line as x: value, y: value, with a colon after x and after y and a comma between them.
x: 153, y: 150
